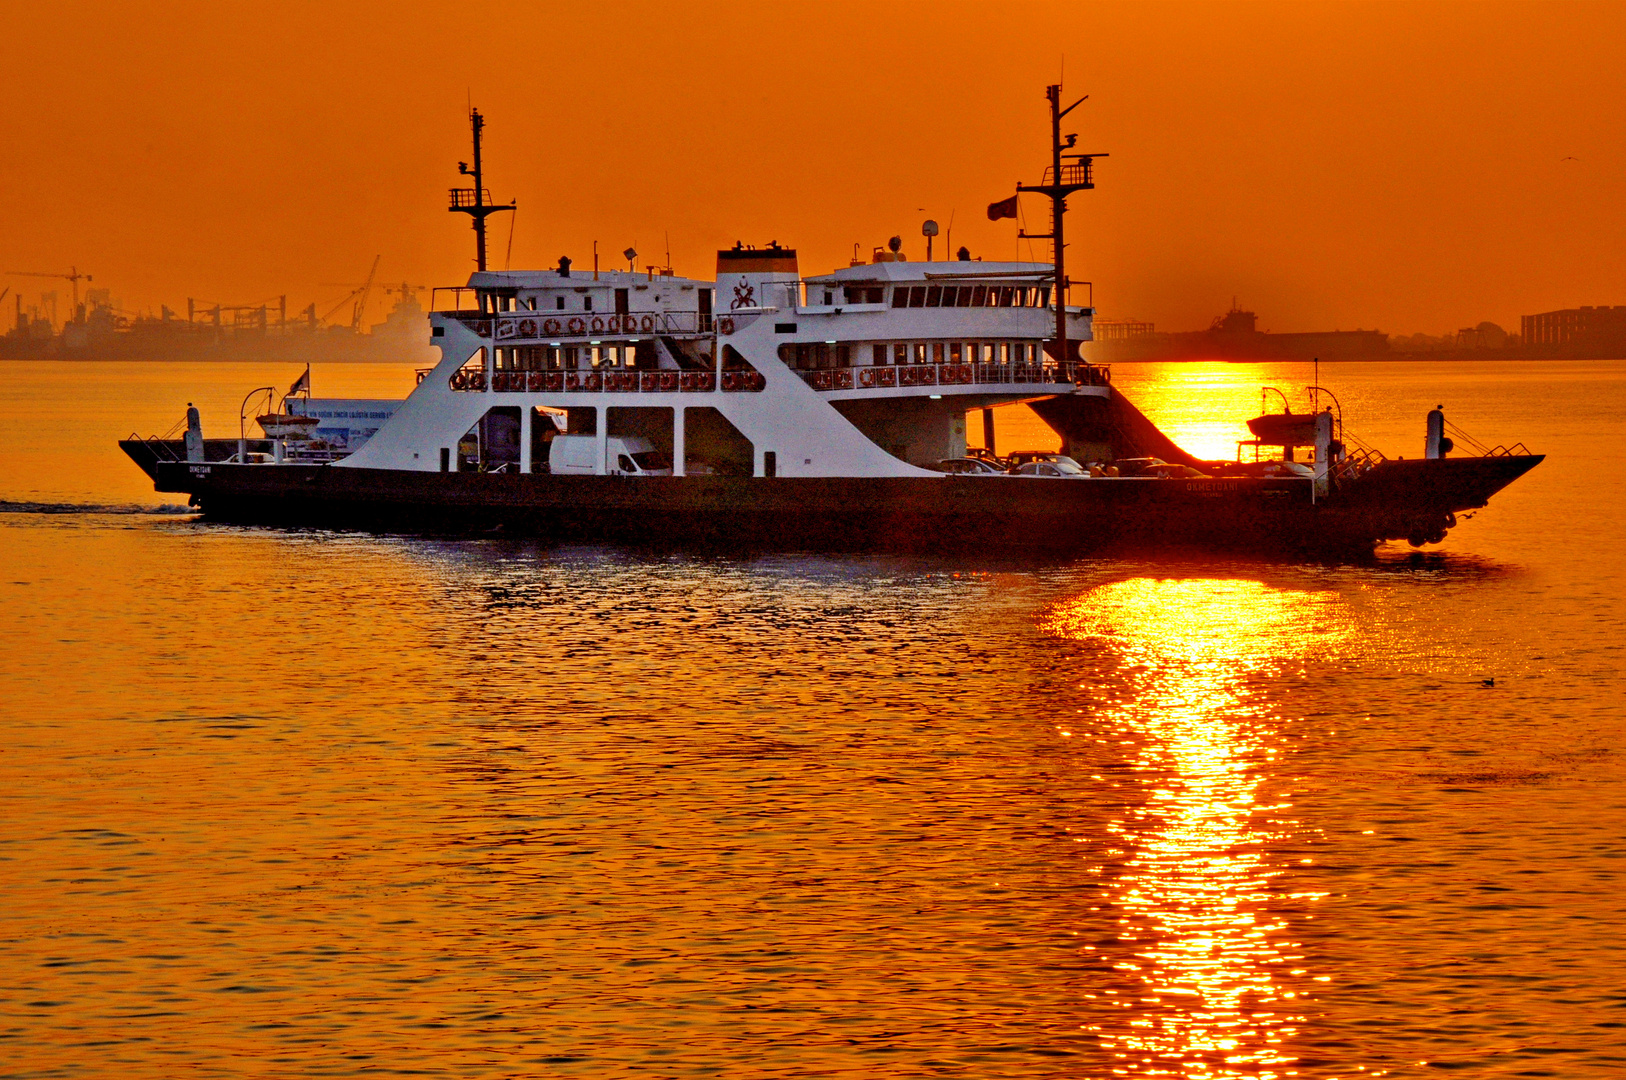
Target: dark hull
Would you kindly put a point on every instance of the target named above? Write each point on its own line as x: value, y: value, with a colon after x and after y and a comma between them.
x: 1395, y: 501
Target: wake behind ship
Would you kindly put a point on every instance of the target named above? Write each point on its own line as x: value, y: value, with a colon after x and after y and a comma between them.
x: 829, y: 410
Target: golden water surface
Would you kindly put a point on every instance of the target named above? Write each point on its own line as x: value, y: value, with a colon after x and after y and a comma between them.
x: 293, y: 803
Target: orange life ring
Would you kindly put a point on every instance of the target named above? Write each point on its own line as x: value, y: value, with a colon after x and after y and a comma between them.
x: 866, y: 377
x: 459, y: 380
x: 725, y: 325
x: 615, y: 324
x: 550, y: 326
x: 731, y: 381
x: 597, y: 324
x: 647, y: 323
x: 527, y: 328
x: 577, y: 325
x: 668, y: 380
x: 573, y: 381
x: 594, y: 381
x: 537, y: 381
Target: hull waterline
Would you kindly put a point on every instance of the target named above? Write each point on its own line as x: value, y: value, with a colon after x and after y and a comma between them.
x: 1397, y: 500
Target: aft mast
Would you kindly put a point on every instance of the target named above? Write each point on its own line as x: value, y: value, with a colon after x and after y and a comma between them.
x: 1059, y: 182
x: 476, y: 202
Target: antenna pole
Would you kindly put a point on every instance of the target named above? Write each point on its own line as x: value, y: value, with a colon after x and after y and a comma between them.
x: 1058, y: 210
x: 476, y: 122
x: 1059, y: 183
x: 473, y: 203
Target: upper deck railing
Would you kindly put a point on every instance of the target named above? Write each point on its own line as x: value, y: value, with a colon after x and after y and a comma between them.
x: 883, y: 376
x: 480, y: 377
x: 558, y: 326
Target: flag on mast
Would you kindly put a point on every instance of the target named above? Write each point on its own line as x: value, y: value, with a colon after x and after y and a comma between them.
x: 301, y: 384
x: 998, y: 210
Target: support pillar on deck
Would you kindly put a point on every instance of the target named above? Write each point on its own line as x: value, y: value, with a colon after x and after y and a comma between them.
x: 678, y: 442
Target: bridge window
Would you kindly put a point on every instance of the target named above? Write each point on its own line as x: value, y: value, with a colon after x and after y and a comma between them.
x: 979, y: 294
x: 917, y: 296
x: 934, y: 296
x: 866, y: 294
x: 900, y: 297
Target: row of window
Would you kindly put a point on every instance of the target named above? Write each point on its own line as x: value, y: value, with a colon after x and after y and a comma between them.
x: 820, y: 356
x: 903, y: 296
x: 494, y: 303
x: 970, y: 296
x: 957, y: 352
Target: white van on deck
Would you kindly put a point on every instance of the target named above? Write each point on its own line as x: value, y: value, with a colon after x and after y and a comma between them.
x: 577, y: 454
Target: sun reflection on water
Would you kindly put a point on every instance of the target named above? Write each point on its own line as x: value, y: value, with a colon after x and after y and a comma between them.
x: 1205, y: 982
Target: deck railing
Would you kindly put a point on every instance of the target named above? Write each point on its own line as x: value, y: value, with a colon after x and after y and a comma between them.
x: 624, y: 381
x: 881, y: 376
x: 607, y: 381
x: 541, y: 326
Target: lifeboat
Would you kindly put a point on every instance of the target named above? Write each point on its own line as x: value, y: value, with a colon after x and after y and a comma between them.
x: 287, y: 425
x: 1284, y: 428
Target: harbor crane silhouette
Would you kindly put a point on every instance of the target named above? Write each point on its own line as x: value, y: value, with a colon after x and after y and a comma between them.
x: 72, y: 275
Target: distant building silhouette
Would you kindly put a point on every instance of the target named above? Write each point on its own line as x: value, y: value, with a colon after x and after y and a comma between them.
x: 1589, y: 330
x: 1235, y: 335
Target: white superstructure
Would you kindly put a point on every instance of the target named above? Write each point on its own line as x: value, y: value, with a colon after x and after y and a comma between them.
x: 868, y: 371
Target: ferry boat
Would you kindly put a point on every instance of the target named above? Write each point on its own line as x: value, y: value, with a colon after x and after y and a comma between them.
x: 827, y: 410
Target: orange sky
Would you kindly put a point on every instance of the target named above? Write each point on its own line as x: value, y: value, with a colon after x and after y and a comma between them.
x: 1333, y: 166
